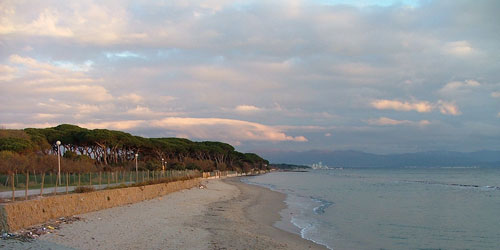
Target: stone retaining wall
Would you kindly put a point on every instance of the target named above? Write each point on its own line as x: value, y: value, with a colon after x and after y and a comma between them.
x: 18, y: 215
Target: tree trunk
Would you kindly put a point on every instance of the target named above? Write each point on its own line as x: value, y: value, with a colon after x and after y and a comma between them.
x: 43, y: 182
x: 108, y: 178
x: 79, y: 178
x: 13, y: 188
x: 67, y: 182
x: 90, y: 178
x: 7, y: 180
x: 100, y: 178
x: 27, y: 184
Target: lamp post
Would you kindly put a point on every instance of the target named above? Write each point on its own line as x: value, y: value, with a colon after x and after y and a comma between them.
x: 58, y: 143
x: 136, y: 169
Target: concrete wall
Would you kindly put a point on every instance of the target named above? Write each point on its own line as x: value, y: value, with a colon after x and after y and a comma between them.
x: 18, y: 215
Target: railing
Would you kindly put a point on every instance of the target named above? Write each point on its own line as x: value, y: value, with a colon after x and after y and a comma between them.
x: 38, y: 184
x: 23, y: 186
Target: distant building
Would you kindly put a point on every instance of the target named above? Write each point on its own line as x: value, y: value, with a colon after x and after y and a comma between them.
x: 319, y: 165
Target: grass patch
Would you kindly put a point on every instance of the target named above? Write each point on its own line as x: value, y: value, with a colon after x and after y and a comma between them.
x: 84, y: 189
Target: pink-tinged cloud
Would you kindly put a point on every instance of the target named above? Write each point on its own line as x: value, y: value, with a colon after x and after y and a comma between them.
x: 496, y: 94
x: 246, y: 108
x: 228, y: 130
x: 224, y: 129
x: 7, y: 73
x: 116, y: 125
x: 448, y: 108
x: 91, y: 93
x: 132, y: 97
x: 455, y: 86
x: 384, y: 121
x: 419, y: 106
x: 20, y: 125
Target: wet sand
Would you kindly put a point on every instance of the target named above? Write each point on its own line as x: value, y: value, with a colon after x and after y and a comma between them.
x: 246, y: 221
x: 225, y: 214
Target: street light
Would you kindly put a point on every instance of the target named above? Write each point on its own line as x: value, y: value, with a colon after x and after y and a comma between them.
x: 136, y: 170
x: 58, y: 143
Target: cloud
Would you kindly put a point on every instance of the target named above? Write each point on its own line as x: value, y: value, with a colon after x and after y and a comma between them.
x: 456, y: 86
x: 217, y: 74
x: 132, y: 97
x: 225, y: 129
x: 360, y: 69
x: 115, y: 125
x: 87, y: 109
x: 133, y: 61
x: 448, y: 108
x: 91, y: 93
x: 419, y: 106
x: 246, y: 108
x: 36, y: 72
x: 54, y: 80
x: 7, y: 73
x: 43, y: 116
x: 123, y: 55
x: 459, y: 48
x: 384, y: 121
x: 46, y: 24
x: 228, y: 130
x: 20, y: 125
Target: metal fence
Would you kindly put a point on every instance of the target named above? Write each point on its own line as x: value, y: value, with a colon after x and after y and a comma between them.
x: 37, y: 184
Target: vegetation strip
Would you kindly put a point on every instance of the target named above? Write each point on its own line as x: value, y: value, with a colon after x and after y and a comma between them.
x: 29, y: 158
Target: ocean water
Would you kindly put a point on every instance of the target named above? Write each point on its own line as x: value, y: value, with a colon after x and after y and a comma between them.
x: 431, y: 208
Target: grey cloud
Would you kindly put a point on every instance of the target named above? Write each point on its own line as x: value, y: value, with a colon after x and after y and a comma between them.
x: 301, y: 65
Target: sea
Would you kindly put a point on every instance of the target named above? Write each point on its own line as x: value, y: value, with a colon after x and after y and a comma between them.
x: 406, y: 208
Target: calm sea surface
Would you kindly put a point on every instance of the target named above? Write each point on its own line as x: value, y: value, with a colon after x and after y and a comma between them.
x: 432, y: 208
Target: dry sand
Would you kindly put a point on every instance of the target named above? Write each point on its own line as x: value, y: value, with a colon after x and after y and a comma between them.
x: 225, y: 215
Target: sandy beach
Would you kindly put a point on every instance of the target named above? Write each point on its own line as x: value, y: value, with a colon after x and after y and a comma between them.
x: 225, y: 214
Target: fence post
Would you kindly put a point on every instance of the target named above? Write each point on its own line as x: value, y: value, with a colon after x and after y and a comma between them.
x: 27, y: 184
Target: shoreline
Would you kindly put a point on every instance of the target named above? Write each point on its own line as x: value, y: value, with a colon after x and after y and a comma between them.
x: 252, y: 217
x: 220, y: 214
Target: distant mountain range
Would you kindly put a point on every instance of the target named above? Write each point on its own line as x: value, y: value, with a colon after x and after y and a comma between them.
x: 350, y: 158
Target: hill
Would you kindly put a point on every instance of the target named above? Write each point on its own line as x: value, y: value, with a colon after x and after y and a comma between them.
x: 351, y: 158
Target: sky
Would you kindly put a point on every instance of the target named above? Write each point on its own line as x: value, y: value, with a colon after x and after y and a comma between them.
x: 290, y: 75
